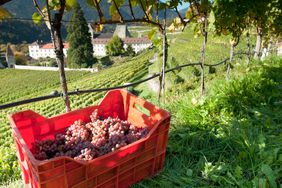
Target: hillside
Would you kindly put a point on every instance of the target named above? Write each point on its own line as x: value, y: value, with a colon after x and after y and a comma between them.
x: 229, y: 138
x: 17, y: 31
x: 24, y: 9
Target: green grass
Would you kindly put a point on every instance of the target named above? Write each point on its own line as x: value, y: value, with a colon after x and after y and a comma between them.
x: 186, y: 48
x: 230, y: 138
x: 22, y: 84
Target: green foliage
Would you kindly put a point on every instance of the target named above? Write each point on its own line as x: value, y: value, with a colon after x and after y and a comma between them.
x: 80, y: 52
x: 212, y: 70
x: 20, y: 59
x: 203, y: 9
x: 231, y: 138
x: 230, y: 17
x: 106, y: 61
x: 196, y: 71
x: 52, y: 63
x: 8, y: 164
x: 130, y: 51
x: 115, y: 46
x: 36, y: 17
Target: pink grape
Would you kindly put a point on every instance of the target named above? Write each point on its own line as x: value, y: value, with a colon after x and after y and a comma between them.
x: 87, y: 141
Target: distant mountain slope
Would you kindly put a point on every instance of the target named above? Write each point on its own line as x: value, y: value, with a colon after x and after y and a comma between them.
x: 25, y: 8
x: 17, y: 31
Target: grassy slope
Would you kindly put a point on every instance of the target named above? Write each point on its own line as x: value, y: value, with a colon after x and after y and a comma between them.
x: 185, y: 48
x: 232, y: 137
x: 23, y: 84
x: 33, y: 83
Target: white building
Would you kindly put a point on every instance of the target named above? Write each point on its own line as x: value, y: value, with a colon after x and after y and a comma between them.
x: 138, y: 44
x: 99, y: 43
x: 37, y: 50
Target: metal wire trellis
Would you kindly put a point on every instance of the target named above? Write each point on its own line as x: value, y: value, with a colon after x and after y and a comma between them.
x: 77, y: 92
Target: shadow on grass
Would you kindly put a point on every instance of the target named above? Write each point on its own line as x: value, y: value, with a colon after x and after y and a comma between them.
x: 232, y: 140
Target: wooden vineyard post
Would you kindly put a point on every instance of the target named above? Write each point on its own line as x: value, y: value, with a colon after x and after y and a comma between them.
x: 249, y: 48
x: 55, y: 30
x: 258, y: 43
x: 230, y: 60
x: 202, y: 90
x: 162, y: 76
x: 233, y: 43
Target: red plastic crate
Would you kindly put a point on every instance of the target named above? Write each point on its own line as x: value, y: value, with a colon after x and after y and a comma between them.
x: 120, y: 168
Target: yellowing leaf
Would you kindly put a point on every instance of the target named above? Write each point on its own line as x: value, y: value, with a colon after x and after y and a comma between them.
x: 151, y: 34
x: 116, y: 17
x: 134, y: 2
x: 171, y: 28
x: 189, y: 13
x: 177, y: 20
x: 54, y: 4
x: 176, y: 25
x: 70, y: 4
x: 112, y: 10
x: 99, y: 27
x: 4, y: 13
x: 36, y: 17
x: 91, y: 3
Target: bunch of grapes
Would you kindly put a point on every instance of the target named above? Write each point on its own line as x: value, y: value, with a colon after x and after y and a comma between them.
x: 46, y: 149
x: 87, y: 141
x: 76, y: 131
x: 135, y: 133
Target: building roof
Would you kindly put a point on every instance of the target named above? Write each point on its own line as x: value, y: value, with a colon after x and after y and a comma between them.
x: 34, y: 44
x: 50, y: 46
x: 103, y: 35
x: 101, y: 40
x: 140, y: 40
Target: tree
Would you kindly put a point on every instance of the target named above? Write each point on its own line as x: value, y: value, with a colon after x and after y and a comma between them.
x: 115, y: 46
x: 265, y: 16
x: 130, y: 51
x: 198, y: 13
x: 20, y: 59
x: 80, y: 52
x: 230, y: 18
x: 234, y: 16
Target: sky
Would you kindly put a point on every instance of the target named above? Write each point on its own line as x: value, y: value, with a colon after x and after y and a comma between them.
x: 183, y: 6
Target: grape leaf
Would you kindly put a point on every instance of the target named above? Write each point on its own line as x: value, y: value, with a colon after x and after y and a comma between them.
x: 36, y: 17
x: 4, y: 13
x: 70, y: 4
